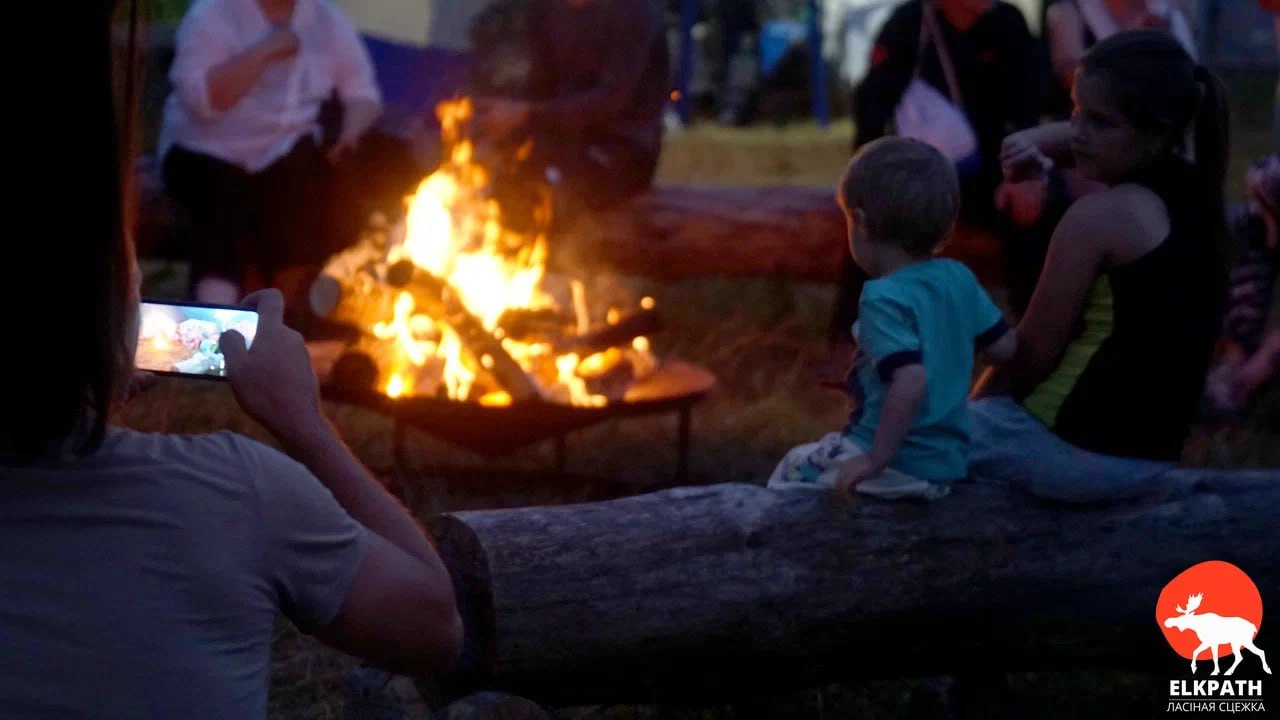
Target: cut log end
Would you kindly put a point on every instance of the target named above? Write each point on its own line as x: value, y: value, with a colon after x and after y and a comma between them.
x: 324, y: 295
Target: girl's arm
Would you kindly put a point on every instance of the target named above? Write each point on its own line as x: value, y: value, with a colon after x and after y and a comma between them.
x: 1022, y: 153
x: 1079, y: 246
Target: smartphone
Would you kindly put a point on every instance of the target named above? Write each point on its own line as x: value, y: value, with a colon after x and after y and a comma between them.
x: 180, y: 338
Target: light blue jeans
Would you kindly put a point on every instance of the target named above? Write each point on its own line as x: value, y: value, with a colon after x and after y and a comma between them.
x: 1010, y: 445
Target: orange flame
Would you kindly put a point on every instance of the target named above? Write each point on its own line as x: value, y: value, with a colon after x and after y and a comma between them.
x: 454, y: 231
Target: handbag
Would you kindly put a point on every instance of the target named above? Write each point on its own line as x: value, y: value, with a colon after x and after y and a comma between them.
x: 927, y: 115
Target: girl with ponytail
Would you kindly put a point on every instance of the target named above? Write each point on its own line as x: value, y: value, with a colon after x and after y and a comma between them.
x: 1117, y: 338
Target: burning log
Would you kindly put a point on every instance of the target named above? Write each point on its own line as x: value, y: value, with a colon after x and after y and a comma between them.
x: 630, y: 327
x: 526, y: 325
x: 700, y: 592
x: 614, y: 381
x: 434, y: 297
x: 553, y: 327
x: 348, y: 289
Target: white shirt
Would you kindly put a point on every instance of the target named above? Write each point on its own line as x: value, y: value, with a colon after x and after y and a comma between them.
x: 284, y: 104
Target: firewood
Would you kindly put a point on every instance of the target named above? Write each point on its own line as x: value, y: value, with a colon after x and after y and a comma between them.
x: 349, y: 289
x: 527, y: 325
x: 630, y: 327
x: 435, y: 297
x: 355, y: 371
x: 614, y: 382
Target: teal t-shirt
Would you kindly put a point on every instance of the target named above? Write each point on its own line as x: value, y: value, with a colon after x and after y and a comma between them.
x: 935, y: 313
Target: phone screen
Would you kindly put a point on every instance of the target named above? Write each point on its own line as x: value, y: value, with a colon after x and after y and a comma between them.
x: 182, y: 338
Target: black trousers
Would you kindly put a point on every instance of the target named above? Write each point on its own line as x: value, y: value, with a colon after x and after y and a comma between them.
x: 248, y: 226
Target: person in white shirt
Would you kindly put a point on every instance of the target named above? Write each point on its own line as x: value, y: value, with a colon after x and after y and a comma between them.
x: 240, y: 140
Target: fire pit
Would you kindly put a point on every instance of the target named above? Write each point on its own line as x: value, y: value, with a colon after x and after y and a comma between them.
x: 495, y: 431
x: 460, y: 330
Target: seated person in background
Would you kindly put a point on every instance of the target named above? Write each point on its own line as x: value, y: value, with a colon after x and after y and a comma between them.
x: 1249, y: 353
x: 1114, y: 347
x: 994, y: 58
x: 921, y: 319
x: 144, y: 574
x: 592, y: 99
x: 1071, y: 27
x: 240, y: 140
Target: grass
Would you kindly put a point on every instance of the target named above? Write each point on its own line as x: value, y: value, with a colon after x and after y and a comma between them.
x: 763, y: 339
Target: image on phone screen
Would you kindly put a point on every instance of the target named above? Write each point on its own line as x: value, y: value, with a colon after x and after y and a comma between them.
x: 182, y: 338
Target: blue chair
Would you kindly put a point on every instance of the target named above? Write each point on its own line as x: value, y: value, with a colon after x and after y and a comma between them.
x: 691, y: 12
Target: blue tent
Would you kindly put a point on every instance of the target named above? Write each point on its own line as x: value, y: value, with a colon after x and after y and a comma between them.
x: 419, y: 50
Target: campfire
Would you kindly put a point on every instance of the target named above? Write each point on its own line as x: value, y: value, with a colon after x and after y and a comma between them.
x: 455, y: 303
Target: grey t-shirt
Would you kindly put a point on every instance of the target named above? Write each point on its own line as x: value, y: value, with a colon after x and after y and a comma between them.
x: 146, y: 580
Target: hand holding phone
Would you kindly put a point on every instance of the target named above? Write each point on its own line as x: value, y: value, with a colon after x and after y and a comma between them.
x: 274, y: 381
x: 177, y: 338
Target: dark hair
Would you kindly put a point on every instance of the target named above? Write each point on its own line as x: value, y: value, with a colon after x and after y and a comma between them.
x: 67, y: 368
x: 907, y: 190
x: 1162, y: 91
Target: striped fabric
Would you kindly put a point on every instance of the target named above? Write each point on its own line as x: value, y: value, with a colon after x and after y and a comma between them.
x: 1252, y: 283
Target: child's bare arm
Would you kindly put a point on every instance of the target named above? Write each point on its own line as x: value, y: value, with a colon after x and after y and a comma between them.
x: 1001, y: 350
x: 901, y: 405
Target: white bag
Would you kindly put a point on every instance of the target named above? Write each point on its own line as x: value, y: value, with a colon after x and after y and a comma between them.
x: 927, y: 115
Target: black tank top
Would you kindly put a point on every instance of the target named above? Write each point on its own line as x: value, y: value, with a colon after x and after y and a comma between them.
x: 1140, y: 386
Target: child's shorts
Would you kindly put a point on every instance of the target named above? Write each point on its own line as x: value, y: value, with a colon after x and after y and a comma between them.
x: 812, y: 465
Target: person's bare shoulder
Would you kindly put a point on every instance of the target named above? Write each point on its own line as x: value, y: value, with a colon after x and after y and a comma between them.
x: 1062, y: 14
x: 1125, y: 221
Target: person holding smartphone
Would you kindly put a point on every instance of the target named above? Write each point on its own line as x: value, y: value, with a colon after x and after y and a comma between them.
x: 143, y: 575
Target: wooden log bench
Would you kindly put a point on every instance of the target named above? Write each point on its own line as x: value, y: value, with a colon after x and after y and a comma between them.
x: 796, y: 232
x: 671, y: 232
x: 706, y: 592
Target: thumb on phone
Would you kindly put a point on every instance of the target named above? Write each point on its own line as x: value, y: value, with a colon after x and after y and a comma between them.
x: 233, y: 348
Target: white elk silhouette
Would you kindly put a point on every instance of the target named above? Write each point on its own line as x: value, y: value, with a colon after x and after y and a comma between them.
x: 1214, y: 630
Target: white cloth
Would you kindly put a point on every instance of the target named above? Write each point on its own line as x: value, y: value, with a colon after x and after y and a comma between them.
x: 146, y: 580
x: 284, y: 104
x: 813, y: 465
x: 1103, y: 24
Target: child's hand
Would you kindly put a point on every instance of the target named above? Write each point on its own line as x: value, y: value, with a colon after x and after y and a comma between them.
x: 850, y: 473
x: 1021, y: 159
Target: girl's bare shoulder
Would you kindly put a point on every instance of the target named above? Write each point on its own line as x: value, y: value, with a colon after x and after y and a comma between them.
x: 1125, y: 219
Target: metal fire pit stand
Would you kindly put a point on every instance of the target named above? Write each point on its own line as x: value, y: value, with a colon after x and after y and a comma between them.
x: 495, y: 432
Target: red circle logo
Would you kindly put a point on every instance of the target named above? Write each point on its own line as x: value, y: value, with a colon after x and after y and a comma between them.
x: 1210, y: 605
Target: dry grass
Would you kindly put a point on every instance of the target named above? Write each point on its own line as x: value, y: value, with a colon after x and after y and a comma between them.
x: 763, y: 339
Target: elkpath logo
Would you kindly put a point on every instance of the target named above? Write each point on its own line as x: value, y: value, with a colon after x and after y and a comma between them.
x: 1213, y: 610
x: 1195, y: 628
